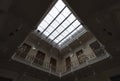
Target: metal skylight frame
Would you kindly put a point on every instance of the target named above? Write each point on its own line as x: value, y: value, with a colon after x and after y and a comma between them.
x: 60, y: 26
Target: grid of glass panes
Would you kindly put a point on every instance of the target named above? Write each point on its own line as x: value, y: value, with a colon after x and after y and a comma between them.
x: 59, y: 24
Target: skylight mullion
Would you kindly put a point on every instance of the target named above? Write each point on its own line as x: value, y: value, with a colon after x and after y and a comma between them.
x: 59, y: 25
x: 53, y: 20
x: 73, y: 26
x: 63, y: 30
x: 41, y: 28
x: 63, y: 14
x: 71, y: 36
x: 60, y: 4
x: 68, y: 34
x: 58, y: 22
x: 59, y: 30
x: 64, y: 25
x: 60, y: 37
x: 67, y: 20
x: 67, y: 12
x: 64, y: 34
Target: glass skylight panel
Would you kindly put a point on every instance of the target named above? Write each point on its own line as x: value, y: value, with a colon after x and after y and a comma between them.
x: 56, y: 41
x: 60, y: 37
x: 59, y: 5
x: 71, y: 18
x: 50, y: 29
x: 55, y: 33
x: 66, y: 12
x: 40, y: 28
x: 71, y: 28
x: 54, y: 25
x: 65, y: 24
x: 59, y: 25
x: 78, y: 29
x: 62, y: 41
x: 54, y: 12
x: 60, y: 18
x: 44, y: 24
x: 76, y: 23
x: 48, y: 18
x: 52, y: 37
x: 46, y: 33
x: 60, y: 28
x: 65, y: 33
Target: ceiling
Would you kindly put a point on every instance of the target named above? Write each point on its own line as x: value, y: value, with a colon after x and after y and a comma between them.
x: 19, y: 17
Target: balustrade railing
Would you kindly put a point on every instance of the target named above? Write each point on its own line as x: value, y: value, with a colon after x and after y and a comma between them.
x: 46, y: 66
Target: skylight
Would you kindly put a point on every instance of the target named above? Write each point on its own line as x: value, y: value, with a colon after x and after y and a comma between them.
x: 60, y: 26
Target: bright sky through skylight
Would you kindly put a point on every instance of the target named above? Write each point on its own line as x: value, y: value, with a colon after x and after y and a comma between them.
x: 59, y: 24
